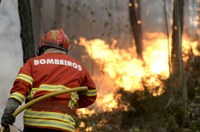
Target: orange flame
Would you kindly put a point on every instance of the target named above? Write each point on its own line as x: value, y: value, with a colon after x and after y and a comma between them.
x: 123, y: 69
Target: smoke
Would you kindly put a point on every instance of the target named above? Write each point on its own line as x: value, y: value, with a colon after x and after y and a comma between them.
x: 152, y: 15
x: 10, y: 50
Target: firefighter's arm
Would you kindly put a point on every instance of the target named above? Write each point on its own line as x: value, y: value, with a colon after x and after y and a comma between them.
x: 17, y: 96
x: 22, y: 84
x: 88, y: 97
x: 18, y: 93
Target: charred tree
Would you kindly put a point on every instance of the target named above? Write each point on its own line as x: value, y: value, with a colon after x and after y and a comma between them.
x: 135, y: 20
x: 26, y: 33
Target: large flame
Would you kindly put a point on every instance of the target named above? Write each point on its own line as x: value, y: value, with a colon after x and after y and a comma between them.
x: 122, y: 68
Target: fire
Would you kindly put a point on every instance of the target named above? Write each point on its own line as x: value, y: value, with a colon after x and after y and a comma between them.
x: 125, y: 70
x: 189, y: 46
x: 108, y: 98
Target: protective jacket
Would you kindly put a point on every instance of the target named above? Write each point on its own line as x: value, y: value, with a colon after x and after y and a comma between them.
x: 49, y: 73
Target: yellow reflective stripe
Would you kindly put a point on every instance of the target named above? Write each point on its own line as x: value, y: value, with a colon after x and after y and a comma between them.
x: 49, y: 115
x: 26, y: 78
x: 17, y: 96
x: 49, y: 119
x: 74, y: 99
x: 90, y: 92
x: 48, y: 87
x: 49, y: 123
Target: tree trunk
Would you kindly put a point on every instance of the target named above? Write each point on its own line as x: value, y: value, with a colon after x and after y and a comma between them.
x: 177, y: 37
x: 134, y: 11
x: 26, y: 29
x: 178, y: 75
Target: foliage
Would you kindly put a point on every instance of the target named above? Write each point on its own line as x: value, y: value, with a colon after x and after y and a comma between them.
x: 146, y: 113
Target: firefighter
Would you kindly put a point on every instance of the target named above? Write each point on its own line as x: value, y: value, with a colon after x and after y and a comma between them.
x: 52, y: 70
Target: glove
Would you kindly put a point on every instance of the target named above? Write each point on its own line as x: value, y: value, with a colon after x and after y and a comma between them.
x: 7, y: 119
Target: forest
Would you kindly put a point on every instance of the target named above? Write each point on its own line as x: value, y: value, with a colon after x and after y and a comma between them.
x: 143, y: 55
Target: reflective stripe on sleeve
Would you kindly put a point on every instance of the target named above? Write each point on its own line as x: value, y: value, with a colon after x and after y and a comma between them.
x: 26, y: 78
x: 49, y: 119
x: 90, y: 92
x: 17, y: 96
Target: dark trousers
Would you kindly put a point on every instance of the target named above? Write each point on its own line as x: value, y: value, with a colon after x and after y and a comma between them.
x: 27, y: 129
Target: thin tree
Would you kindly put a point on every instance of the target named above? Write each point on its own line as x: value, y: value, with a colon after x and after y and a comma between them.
x: 178, y: 74
x: 135, y: 21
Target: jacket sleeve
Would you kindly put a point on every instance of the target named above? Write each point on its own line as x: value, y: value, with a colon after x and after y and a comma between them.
x: 22, y: 83
x: 88, y: 97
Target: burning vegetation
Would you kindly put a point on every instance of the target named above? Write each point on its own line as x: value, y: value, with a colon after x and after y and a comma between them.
x: 134, y: 95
